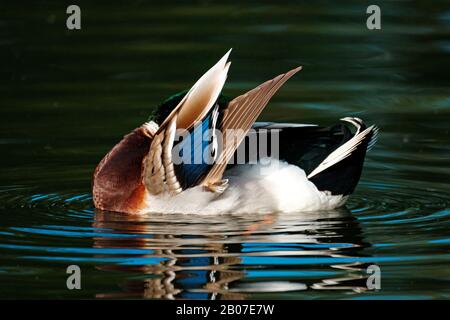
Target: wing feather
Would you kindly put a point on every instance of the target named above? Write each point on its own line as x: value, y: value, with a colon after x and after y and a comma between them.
x: 238, y: 118
x: 201, y: 97
x: 342, y: 152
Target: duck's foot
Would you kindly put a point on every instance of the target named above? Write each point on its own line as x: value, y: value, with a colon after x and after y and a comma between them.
x: 217, y: 187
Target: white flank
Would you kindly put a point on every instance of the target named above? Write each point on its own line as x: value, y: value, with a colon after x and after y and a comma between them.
x: 278, y: 187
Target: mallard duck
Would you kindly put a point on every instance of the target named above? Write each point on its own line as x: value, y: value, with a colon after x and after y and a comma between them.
x: 156, y: 169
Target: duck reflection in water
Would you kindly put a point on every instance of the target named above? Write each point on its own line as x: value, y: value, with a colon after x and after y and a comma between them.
x: 223, y: 257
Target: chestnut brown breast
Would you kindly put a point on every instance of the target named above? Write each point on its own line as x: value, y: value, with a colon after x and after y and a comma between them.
x: 117, y: 181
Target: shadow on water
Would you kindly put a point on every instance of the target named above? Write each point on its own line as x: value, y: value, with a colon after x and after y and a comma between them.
x: 223, y: 257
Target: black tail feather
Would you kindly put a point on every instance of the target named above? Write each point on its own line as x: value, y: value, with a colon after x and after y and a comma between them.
x: 308, y: 147
x: 342, y: 177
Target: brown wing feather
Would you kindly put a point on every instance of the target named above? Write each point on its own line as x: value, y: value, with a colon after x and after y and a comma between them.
x: 239, y: 116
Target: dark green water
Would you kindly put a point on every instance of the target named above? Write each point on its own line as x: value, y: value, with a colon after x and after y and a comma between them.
x: 66, y: 97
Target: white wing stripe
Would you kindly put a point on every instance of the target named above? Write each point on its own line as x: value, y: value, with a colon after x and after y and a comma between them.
x: 342, y: 152
x: 276, y: 125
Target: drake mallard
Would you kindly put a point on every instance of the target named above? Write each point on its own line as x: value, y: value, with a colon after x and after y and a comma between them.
x: 315, y: 168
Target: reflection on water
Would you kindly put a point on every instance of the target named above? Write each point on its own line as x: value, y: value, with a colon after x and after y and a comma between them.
x: 67, y: 97
x: 218, y: 257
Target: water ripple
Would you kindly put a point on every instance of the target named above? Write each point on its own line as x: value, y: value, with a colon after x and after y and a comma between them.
x: 313, y: 251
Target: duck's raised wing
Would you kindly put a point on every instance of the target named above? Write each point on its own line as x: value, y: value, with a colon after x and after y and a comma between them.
x: 237, y: 119
x: 159, y: 171
x: 201, y: 97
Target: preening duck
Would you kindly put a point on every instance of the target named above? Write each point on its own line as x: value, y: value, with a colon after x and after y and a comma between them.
x: 203, y: 153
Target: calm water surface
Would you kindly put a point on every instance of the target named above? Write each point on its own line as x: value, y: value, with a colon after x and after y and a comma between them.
x: 67, y: 97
